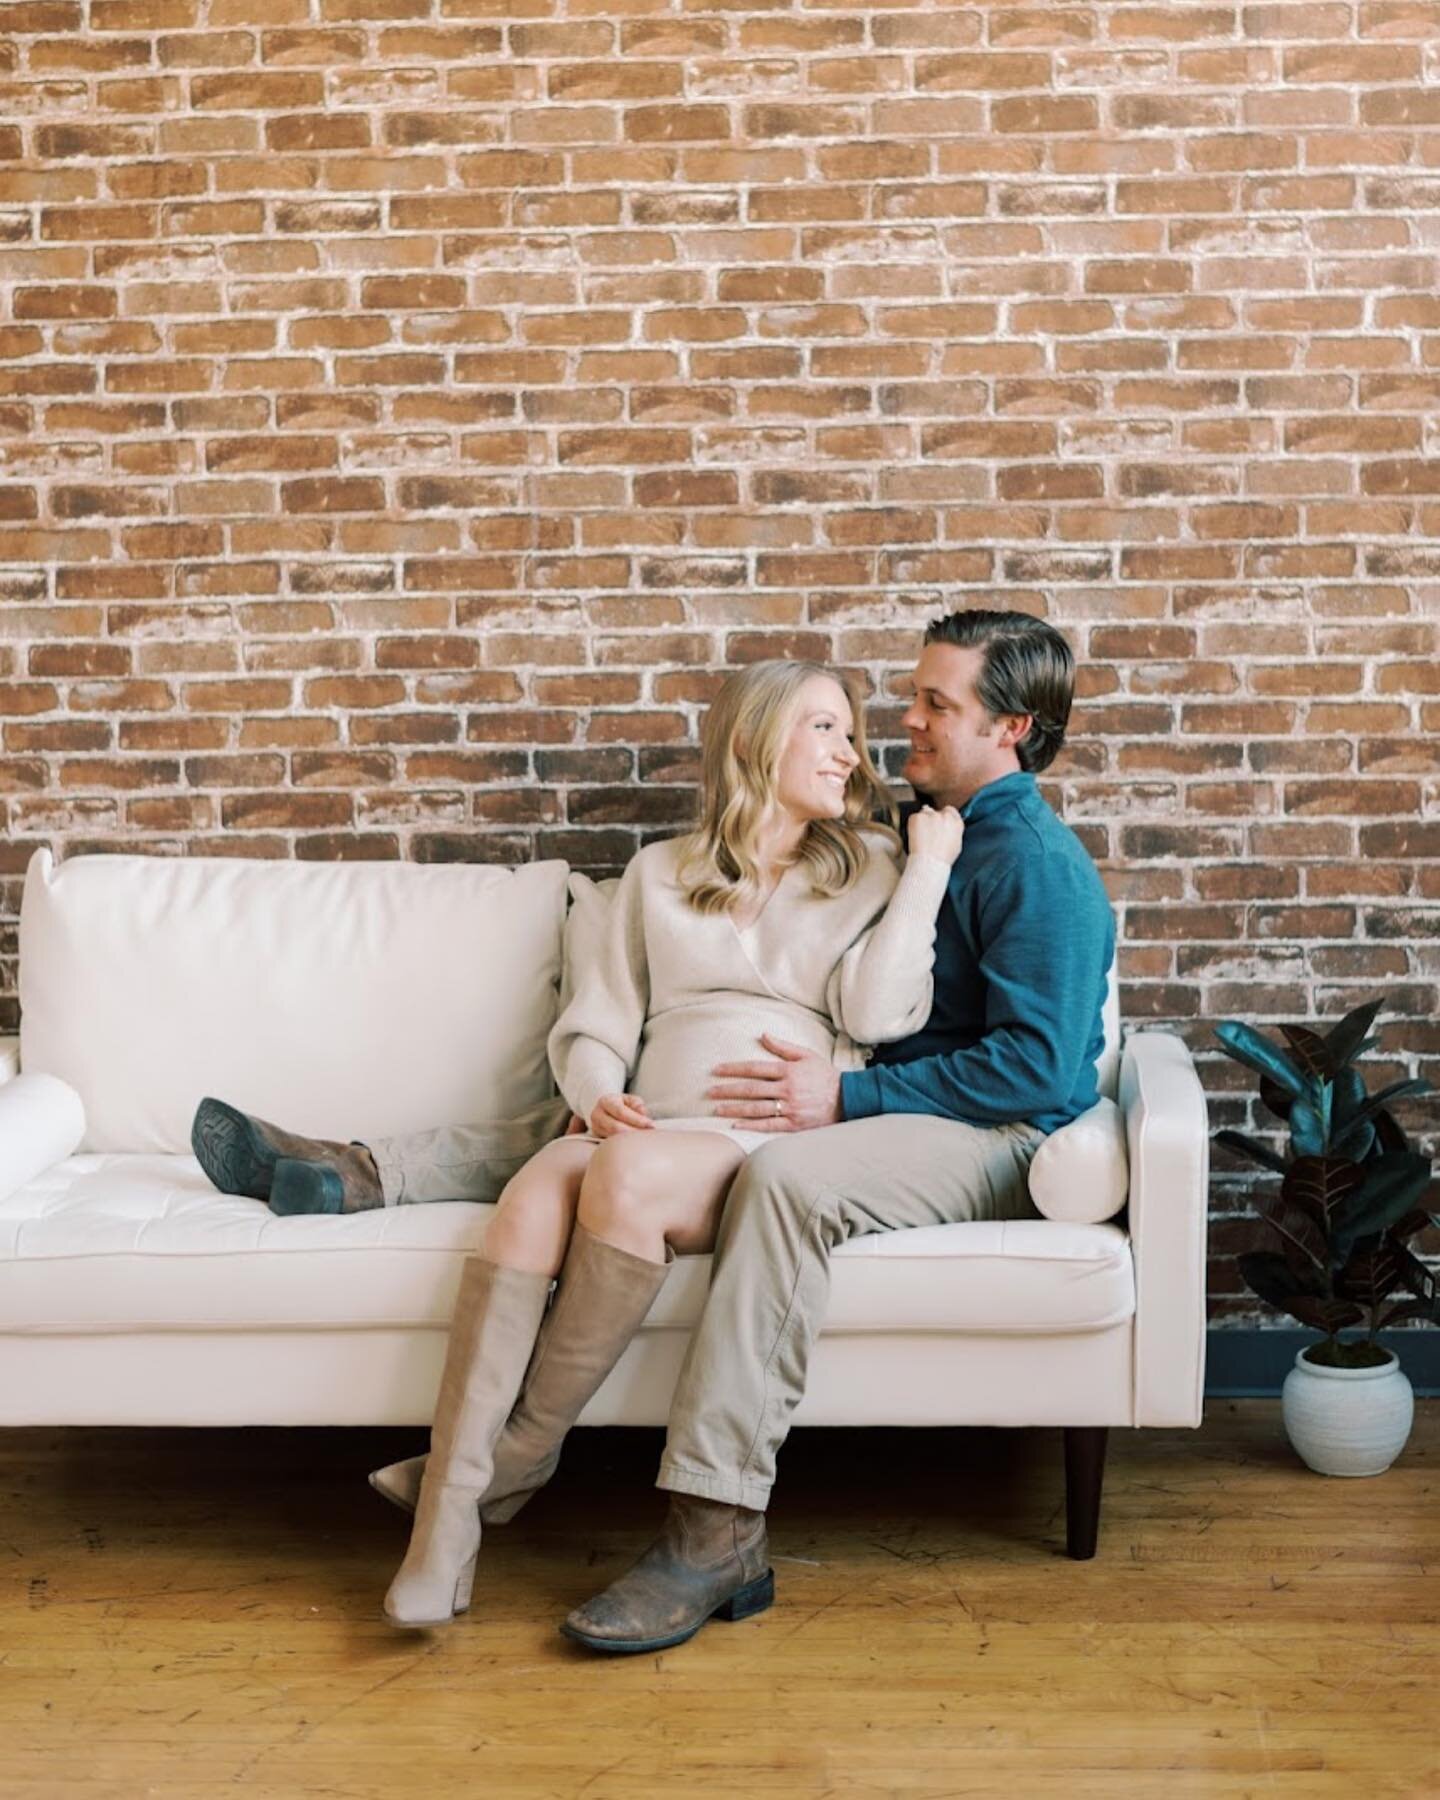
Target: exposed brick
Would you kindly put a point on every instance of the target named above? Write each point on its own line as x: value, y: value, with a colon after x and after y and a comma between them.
x: 416, y: 509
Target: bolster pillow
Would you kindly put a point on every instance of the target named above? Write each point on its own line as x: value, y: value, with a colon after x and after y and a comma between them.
x: 1080, y: 1175
x: 42, y: 1121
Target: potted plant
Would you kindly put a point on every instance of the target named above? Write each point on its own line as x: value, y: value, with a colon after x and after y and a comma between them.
x: 1344, y: 1214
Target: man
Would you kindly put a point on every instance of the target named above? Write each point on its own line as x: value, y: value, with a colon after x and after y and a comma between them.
x: 940, y: 1126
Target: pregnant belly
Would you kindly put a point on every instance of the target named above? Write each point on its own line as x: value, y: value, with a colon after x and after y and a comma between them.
x: 681, y: 1047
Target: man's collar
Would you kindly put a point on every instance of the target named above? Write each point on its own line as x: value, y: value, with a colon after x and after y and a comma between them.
x: 1005, y: 790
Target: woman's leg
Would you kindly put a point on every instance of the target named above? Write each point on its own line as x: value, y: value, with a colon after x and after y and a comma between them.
x: 492, y: 1337
x: 645, y: 1195
x: 529, y: 1230
x: 531, y: 1225
x: 646, y: 1190
x: 638, y: 1192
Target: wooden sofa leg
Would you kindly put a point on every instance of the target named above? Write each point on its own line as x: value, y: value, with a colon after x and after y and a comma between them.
x: 1084, y: 1475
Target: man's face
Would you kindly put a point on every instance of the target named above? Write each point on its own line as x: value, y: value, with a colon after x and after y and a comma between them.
x: 956, y: 748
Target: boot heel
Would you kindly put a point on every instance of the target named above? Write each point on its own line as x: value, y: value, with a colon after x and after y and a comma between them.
x: 459, y: 1602
x: 754, y: 1597
x: 464, y: 1587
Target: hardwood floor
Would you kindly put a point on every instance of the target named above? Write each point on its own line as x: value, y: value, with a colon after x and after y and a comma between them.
x: 185, y: 1615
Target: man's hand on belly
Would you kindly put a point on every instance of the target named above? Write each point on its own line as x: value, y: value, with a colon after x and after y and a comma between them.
x: 797, y: 1092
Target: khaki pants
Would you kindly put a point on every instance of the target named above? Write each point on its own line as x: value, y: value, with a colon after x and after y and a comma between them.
x: 463, y: 1162
x: 790, y: 1205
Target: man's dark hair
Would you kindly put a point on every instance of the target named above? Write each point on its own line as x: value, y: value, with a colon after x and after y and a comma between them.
x: 1027, y: 667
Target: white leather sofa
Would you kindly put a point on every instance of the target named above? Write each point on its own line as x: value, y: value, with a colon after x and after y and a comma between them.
x: 363, y: 1000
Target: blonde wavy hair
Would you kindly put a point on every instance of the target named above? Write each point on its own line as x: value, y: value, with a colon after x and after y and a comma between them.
x: 743, y: 739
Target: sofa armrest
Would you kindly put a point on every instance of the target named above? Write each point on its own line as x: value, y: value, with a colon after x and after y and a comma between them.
x: 9, y: 1058
x: 42, y: 1121
x: 1168, y: 1134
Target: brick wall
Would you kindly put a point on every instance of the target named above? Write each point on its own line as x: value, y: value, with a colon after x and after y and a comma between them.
x: 406, y: 408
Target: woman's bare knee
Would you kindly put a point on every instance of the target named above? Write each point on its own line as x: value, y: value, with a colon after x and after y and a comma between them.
x: 618, y: 1180
x: 643, y: 1191
x: 531, y: 1225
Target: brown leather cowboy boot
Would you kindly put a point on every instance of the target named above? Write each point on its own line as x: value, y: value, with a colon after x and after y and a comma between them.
x: 347, y: 1181
x: 240, y: 1154
x: 709, y: 1561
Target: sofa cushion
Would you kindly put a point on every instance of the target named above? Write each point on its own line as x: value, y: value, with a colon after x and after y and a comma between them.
x: 342, y: 1000
x: 143, y: 1243
x: 586, y: 927
x: 1107, y: 1067
x: 1081, y: 1173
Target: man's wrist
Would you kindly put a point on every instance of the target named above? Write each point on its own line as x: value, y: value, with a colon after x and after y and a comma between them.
x: 859, y: 1096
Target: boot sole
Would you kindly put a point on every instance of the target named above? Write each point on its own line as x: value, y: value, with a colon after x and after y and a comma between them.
x: 424, y: 1624
x: 744, y: 1603
x: 225, y: 1149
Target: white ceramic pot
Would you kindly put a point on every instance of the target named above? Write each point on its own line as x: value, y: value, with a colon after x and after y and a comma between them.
x: 1348, y: 1421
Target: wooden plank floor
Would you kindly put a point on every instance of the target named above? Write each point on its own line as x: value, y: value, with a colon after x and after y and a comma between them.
x: 186, y: 1615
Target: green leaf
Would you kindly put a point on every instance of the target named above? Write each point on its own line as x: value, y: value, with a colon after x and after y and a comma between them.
x: 1246, y: 1045
x: 1355, y: 1141
x: 1407, y: 1309
x: 1320, y: 1185
x: 1348, y: 1091
x: 1346, y: 1040
x: 1404, y: 1229
x: 1276, y: 1280
x: 1377, y: 1102
x: 1274, y: 1098
x: 1307, y: 1132
x: 1299, y: 1227
x: 1328, y: 1316
x: 1253, y: 1148
x: 1371, y: 1275
x: 1422, y: 1281
x: 1311, y: 1051
x: 1389, y: 1186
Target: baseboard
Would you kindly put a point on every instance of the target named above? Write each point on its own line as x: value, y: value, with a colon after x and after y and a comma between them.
x: 1251, y: 1361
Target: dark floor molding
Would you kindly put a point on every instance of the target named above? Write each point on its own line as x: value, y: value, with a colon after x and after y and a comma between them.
x: 1251, y: 1361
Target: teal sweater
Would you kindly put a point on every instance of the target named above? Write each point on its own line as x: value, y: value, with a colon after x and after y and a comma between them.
x: 1023, y: 943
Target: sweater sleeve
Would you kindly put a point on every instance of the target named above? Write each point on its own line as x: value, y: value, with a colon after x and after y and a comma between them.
x: 595, y: 1042
x: 1046, y: 936
x: 883, y: 985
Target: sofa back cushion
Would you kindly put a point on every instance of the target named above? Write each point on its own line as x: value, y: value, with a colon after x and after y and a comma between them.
x: 1107, y: 1069
x: 343, y: 1000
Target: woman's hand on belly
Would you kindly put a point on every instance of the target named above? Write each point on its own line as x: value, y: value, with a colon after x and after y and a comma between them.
x: 620, y: 1112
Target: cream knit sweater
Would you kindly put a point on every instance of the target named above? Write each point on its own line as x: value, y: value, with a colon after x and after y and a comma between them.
x: 676, y: 991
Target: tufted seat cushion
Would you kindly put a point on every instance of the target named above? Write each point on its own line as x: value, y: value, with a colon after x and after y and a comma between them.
x: 106, y: 1243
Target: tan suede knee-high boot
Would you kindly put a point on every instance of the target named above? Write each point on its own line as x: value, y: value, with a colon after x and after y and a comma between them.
x: 600, y: 1303
x: 601, y: 1299
x: 497, y: 1317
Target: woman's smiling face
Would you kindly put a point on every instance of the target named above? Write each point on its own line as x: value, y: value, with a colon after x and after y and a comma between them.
x: 818, y: 758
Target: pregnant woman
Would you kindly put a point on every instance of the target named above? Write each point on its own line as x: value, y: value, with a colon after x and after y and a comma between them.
x: 783, y: 913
